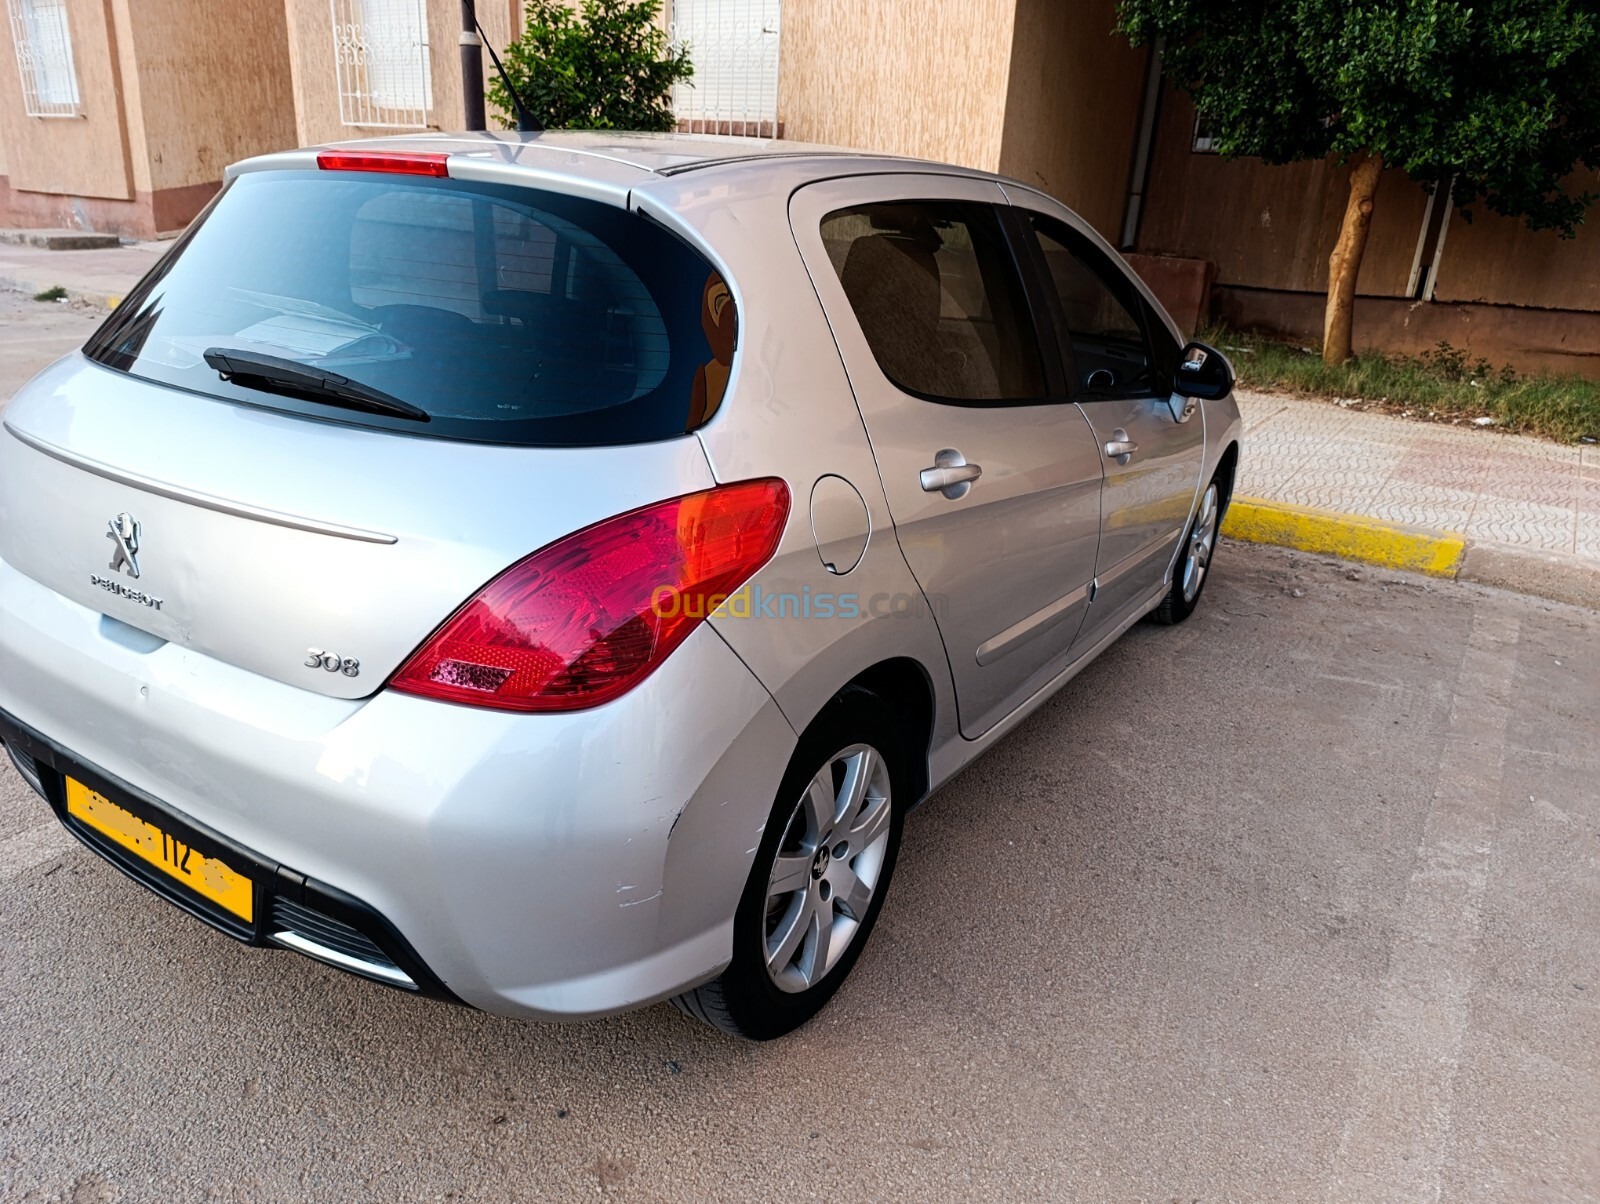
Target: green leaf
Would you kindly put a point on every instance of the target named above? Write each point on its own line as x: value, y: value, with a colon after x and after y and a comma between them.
x: 1504, y: 95
x: 605, y: 65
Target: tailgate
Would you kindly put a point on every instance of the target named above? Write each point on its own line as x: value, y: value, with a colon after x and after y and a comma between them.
x: 314, y: 553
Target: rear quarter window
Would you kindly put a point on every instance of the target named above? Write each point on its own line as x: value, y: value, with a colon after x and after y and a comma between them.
x: 507, y: 315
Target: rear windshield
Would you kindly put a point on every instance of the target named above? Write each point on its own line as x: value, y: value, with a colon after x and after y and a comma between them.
x: 506, y: 315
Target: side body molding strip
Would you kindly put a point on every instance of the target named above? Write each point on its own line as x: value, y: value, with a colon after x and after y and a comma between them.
x: 1040, y: 621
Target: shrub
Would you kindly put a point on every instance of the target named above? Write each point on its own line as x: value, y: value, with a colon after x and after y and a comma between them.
x: 603, y: 66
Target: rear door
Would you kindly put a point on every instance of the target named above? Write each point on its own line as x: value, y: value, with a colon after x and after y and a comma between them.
x: 991, y: 474
x: 1120, y: 357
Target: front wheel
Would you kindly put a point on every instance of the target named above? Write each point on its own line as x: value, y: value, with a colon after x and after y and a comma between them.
x: 1194, y: 559
x: 819, y: 877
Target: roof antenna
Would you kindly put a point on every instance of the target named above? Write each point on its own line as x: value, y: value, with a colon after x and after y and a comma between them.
x: 527, y: 123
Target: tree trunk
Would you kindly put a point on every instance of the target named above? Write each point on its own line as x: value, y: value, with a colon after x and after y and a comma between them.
x: 1344, y: 265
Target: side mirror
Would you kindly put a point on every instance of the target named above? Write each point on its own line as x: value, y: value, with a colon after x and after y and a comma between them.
x: 1203, y: 373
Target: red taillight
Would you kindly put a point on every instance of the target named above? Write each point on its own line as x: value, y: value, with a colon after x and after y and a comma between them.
x: 405, y: 163
x: 585, y: 619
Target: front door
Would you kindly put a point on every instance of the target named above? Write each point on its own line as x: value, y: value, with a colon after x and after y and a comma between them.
x: 1121, y: 357
x: 991, y: 474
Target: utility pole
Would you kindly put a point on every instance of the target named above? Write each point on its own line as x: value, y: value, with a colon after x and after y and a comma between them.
x: 471, y: 70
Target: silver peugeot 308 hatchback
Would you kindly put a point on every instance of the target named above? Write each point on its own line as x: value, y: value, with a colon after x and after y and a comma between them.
x: 543, y: 571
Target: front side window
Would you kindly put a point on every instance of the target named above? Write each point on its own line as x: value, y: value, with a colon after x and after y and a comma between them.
x: 501, y: 314
x: 44, y: 58
x: 936, y: 291
x: 1110, y: 350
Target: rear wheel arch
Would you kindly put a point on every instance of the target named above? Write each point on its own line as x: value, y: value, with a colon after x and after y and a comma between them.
x: 905, y: 688
x: 788, y: 918
x: 1227, y: 471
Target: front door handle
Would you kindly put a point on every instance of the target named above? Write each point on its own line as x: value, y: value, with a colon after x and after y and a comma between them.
x: 950, y: 475
x: 1119, y: 447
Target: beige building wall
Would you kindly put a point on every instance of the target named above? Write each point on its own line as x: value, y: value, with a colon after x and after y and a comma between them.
x: 1498, y: 259
x: 1072, y: 107
x: 1269, y: 227
x: 315, y: 86
x: 1505, y: 293
x: 1272, y: 227
x: 905, y: 77
x: 132, y: 99
x: 212, y: 84
x: 171, y: 92
x: 84, y: 156
x: 1042, y: 90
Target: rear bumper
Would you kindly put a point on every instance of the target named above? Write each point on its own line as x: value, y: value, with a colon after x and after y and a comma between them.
x: 551, y: 866
x: 289, y: 910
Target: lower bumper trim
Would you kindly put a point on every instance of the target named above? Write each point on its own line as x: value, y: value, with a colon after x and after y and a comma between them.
x: 382, y: 972
x: 291, y: 910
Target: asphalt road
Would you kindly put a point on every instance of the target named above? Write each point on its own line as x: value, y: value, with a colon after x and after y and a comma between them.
x: 1300, y: 900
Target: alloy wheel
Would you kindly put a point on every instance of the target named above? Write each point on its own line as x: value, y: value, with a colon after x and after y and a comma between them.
x: 1202, y: 541
x: 827, y: 867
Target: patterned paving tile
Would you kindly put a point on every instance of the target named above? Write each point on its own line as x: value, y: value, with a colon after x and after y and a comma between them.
x: 1424, y: 506
x: 1588, y: 535
x: 1443, y: 463
x: 1484, y: 484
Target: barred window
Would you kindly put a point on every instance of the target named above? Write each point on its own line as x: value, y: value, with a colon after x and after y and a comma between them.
x: 44, y: 58
x: 381, y: 61
x: 734, y: 47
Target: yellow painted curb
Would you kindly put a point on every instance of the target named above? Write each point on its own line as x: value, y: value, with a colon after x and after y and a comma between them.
x: 1349, y: 535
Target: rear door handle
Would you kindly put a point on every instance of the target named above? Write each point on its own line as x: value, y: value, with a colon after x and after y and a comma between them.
x: 950, y: 475
x: 1119, y: 447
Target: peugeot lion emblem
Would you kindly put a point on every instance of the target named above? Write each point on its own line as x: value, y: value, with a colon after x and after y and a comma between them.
x: 124, y: 533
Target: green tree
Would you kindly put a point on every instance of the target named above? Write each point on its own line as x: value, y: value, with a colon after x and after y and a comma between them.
x: 603, y: 66
x: 1503, y: 96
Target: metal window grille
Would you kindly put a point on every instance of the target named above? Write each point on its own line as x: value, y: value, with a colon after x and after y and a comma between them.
x: 44, y: 58
x: 734, y: 47
x: 380, y: 56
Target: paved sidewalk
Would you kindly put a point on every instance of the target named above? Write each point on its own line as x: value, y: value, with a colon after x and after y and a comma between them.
x: 100, y: 278
x: 1484, y: 485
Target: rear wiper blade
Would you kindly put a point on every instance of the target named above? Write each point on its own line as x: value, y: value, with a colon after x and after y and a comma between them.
x: 254, y: 370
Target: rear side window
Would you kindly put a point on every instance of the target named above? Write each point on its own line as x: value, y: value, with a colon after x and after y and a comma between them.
x: 936, y: 291
x: 506, y: 315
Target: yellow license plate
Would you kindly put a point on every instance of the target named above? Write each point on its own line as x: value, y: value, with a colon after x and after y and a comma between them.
x: 204, y: 875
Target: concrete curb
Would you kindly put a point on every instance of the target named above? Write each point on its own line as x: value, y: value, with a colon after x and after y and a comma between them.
x: 1560, y: 576
x: 1556, y: 575
x: 1351, y: 536
x: 80, y: 296
x: 60, y: 240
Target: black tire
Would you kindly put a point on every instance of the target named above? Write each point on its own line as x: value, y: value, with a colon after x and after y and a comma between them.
x: 746, y: 1000
x: 1179, y: 603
